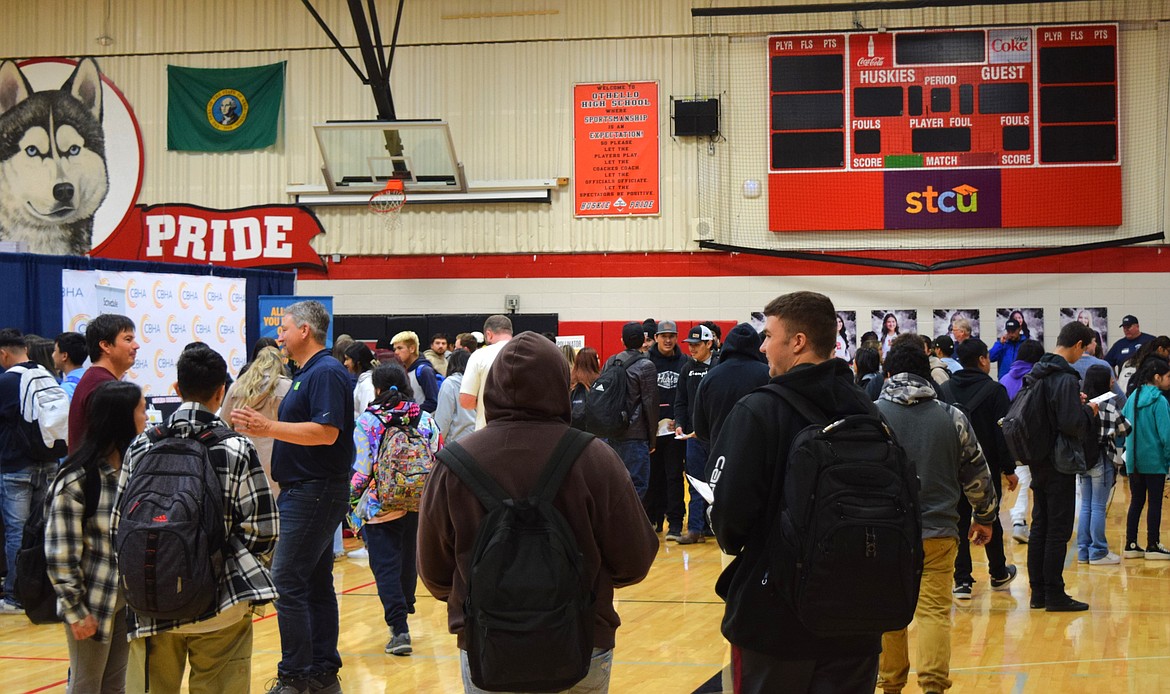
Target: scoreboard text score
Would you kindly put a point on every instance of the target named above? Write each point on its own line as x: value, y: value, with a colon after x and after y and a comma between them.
x: 965, y: 128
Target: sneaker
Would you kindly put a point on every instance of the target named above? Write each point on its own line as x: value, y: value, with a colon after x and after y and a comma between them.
x: 1133, y: 551
x: 1066, y: 604
x: 1002, y: 583
x: 673, y: 536
x: 1082, y: 559
x: 325, y: 684
x: 1020, y: 533
x: 962, y: 591
x: 287, y: 685
x: 1110, y: 558
x: 9, y: 607
x: 690, y: 537
x: 359, y: 553
x: 1156, y: 552
x: 399, y: 644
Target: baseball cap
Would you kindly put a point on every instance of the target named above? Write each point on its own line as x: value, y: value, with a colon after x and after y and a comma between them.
x: 1012, y: 324
x: 667, y: 326
x: 699, y: 333
x: 1128, y: 321
x: 632, y: 335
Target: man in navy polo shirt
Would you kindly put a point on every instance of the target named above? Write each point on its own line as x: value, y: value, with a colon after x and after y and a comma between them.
x: 311, y: 461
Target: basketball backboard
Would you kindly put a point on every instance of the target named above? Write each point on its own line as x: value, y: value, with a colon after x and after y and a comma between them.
x: 360, y: 156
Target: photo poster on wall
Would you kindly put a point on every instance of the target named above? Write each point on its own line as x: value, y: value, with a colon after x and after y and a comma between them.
x: 945, y: 319
x: 1096, y: 318
x: 1031, y: 322
x: 846, y: 335
x: 169, y: 312
x: 888, y: 323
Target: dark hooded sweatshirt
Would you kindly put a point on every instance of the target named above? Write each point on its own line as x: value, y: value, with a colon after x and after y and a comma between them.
x: 1062, y: 386
x: 527, y: 408
x: 741, y: 369
x: 753, y: 445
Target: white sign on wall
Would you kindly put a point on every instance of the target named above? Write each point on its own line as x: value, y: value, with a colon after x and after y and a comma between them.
x: 169, y: 311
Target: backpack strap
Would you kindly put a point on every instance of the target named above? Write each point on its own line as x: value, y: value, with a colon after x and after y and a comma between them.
x: 983, y: 393
x: 946, y: 392
x: 807, y: 408
x: 489, y: 493
x: 568, y: 449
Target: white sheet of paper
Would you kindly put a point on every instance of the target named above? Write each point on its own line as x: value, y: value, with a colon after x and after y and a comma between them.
x: 703, y: 488
x: 1107, y: 395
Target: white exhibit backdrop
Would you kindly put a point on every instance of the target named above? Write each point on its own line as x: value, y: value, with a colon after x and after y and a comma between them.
x: 169, y: 311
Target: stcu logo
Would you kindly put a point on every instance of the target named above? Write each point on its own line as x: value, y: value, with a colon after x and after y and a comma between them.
x: 961, y: 198
x: 161, y: 294
x: 211, y: 297
x: 174, y: 328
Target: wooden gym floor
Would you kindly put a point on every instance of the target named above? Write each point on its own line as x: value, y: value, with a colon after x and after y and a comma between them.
x: 670, y: 643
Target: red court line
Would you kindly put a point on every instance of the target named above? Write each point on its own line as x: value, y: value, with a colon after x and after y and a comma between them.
x: 47, y: 687
x: 344, y: 592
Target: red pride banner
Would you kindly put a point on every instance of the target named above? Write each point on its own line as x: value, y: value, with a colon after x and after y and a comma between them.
x: 266, y: 236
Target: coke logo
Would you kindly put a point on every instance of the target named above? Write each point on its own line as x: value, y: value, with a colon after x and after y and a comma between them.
x: 875, y: 61
x: 1013, y: 45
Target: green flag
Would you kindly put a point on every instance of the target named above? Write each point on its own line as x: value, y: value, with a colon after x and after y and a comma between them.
x: 223, y: 109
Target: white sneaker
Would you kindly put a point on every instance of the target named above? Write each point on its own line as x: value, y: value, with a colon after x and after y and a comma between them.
x: 359, y: 553
x: 9, y: 607
x: 1157, y: 552
x: 1110, y: 558
x: 1020, y: 533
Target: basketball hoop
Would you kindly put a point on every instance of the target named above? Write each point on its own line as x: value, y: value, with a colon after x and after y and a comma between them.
x: 388, y: 202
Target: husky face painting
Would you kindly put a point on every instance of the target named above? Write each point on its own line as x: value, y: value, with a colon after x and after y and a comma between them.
x: 53, y: 172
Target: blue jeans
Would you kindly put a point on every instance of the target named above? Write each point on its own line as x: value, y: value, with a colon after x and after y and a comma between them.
x: 635, y: 453
x: 385, y: 542
x: 1091, y: 543
x: 596, y: 682
x: 302, y: 569
x: 16, y: 501
x: 696, y: 463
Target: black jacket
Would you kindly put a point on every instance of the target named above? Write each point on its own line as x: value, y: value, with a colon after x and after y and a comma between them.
x: 1062, y: 385
x: 669, y: 367
x: 641, y: 396
x: 752, y: 449
x: 962, y: 387
x: 684, y: 396
x: 741, y: 369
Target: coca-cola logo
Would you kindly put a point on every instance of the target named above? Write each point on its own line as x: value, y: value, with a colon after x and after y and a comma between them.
x: 875, y: 61
x: 1011, y: 45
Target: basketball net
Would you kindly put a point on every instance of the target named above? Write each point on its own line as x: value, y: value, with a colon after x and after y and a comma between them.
x: 388, y: 203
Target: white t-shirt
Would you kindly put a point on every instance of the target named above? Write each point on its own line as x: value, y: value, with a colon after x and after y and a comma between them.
x: 475, y: 377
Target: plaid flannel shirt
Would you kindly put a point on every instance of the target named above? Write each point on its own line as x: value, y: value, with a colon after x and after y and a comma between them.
x: 1114, y: 426
x: 250, y: 517
x: 79, y: 553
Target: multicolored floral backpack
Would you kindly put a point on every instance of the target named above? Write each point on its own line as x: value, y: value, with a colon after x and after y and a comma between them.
x: 401, y: 468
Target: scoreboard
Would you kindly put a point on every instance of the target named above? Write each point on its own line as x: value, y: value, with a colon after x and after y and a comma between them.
x: 966, y: 128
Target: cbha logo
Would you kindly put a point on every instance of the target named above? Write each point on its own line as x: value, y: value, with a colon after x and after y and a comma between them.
x: 200, y: 329
x: 140, y: 364
x: 150, y: 329
x: 134, y: 294
x: 958, y: 199
x: 235, y: 297
x: 224, y: 330
x: 161, y: 295
x: 235, y: 360
x: 211, y: 298
x: 174, y: 328
x: 186, y: 295
x: 162, y: 364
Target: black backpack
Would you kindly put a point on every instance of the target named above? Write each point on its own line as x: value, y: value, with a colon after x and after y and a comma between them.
x: 33, y: 587
x: 846, y: 546
x: 1027, y: 426
x: 528, y: 615
x: 577, y: 398
x: 171, y: 534
x: 607, y: 408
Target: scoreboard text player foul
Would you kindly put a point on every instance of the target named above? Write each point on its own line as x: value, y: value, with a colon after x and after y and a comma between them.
x: 958, y: 129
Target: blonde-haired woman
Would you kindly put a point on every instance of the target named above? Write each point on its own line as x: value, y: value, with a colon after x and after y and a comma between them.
x: 262, y: 387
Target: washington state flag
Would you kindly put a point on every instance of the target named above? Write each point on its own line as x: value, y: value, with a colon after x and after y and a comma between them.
x: 223, y: 109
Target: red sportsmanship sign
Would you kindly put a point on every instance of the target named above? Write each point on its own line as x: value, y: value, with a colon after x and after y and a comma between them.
x: 615, y: 152
x: 269, y: 236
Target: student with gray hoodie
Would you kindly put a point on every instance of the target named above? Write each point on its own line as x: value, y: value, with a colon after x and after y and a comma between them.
x: 940, y: 441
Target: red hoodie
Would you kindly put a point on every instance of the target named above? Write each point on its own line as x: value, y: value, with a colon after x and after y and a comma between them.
x: 527, y: 407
